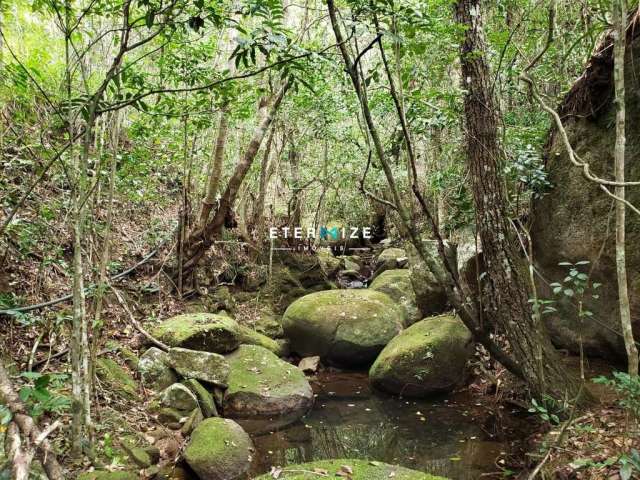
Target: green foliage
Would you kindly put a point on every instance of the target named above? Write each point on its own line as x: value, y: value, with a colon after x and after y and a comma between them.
x: 38, y: 394
x: 548, y: 409
x: 627, y: 387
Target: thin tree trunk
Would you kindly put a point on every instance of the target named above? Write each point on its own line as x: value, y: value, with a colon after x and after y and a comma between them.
x: 509, y: 296
x: 265, y: 173
x: 619, y: 43
x: 447, y: 279
x: 215, y: 172
x: 200, y: 240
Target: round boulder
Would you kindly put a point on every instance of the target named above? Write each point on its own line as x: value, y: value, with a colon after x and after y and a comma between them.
x: 219, y: 449
x: 263, y: 390
x: 427, y: 358
x: 397, y: 284
x: 344, y: 327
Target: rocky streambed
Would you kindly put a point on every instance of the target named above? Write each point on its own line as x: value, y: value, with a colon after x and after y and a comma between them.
x: 366, y: 400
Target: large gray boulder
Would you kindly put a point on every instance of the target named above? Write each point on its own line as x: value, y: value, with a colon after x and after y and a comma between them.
x: 343, y: 327
x: 574, y: 222
x: 425, y: 359
x: 219, y: 449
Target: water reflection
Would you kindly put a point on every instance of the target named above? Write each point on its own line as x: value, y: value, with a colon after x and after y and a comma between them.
x: 450, y: 437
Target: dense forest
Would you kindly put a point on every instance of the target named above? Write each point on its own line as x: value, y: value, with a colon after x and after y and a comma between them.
x: 319, y: 238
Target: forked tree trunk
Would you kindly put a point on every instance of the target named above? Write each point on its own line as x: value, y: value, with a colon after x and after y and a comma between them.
x: 199, y: 241
x: 508, y: 292
x: 619, y: 42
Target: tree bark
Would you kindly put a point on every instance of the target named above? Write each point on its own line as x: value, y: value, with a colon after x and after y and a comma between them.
x: 215, y: 172
x: 265, y: 173
x: 508, y: 292
x: 447, y: 278
x: 619, y: 44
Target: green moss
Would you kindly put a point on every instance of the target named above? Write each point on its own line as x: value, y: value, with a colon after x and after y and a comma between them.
x: 397, y: 284
x: 104, y: 475
x: 347, y: 327
x: 219, y: 448
x: 251, y: 337
x: 118, y: 379
x: 362, y: 470
x: 205, y: 399
x: 428, y: 357
x: 199, y: 331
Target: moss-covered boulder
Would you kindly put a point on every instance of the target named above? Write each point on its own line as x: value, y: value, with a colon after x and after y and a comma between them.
x: 350, y: 468
x: 330, y: 265
x: 390, y: 259
x: 208, y: 332
x: 219, y: 449
x: 204, y: 397
x: 251, y: 337
x: 206, y: 366
x: 268, y: 323
x: 179, y: 397
x: 264, y: 390
x: 431, y: 298
x: 343, y: 327
x: 105, y: 475
x: 427, y: 358
x: 155, y: 370
x: 117, y: 378
x: 397, y: 284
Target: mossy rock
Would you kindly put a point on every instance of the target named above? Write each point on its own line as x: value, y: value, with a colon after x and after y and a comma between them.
x: 431, y: 298
x: 219, y: 449
x: 141, y: 456
x: 397, y: 284
x: 104, y: 475
x: 223, y: 299
x: 154, y: 369
x: 205, y: 399
x: 251, y: 337
x: 265, y: 390
x: 425, y: 359
x: 170, y: 416
x: 206, y: 366
x: 268, y: 323
x: 119, y: 380
x: 390, y: 259
x: 179, y: 397
x: 208, y: 332
x: 340, y: 468
x: 330, y: 265
x: 344, y: 327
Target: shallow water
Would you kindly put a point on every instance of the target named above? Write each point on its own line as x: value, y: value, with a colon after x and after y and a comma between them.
x: 454, y: 436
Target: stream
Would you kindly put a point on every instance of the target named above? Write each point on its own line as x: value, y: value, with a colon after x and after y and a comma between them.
x: 455, y: 436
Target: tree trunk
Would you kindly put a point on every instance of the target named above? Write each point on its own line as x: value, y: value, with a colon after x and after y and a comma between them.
x: 265, y: 173
x: 295, y: 207
x: 448, y: 278
x: 508, y: 292
x: 619, y: 42
x: 215, y: 172
x: 200, y: 240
